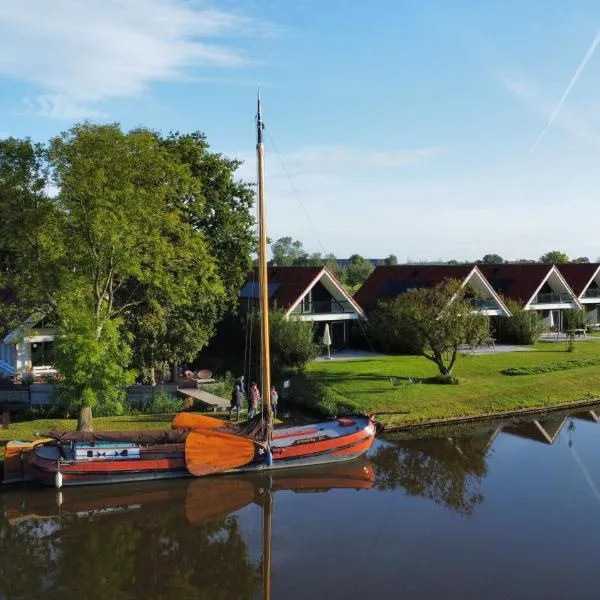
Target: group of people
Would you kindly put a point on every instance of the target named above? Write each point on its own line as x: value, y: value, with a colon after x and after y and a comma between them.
x: 237, y: 398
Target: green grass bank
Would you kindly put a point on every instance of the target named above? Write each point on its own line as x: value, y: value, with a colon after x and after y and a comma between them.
x: 382, y: 385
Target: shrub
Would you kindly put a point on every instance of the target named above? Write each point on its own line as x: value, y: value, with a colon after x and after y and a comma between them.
x: 573, y: 319
x: 292, y: 344
x: 523, y: 327
x: 163, y: 403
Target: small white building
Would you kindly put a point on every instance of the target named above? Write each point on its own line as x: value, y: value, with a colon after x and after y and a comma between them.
x: 28, y: 349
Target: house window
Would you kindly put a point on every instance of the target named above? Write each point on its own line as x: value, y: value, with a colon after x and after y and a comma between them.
x: 307, y: 303
x: 42, y: 354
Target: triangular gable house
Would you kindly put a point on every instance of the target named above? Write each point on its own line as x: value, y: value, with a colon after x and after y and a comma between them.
x: 535, y: 286
x: 388, y: 282
x: 309, y: 294
x: 584, y: 279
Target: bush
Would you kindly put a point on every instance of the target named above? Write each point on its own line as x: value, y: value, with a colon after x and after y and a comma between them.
x: 574, y: 319
x: 523, y: 327
x: 292, y: 344
x: 163, y: 403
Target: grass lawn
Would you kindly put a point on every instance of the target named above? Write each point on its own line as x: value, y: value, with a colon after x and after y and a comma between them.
x: 364, y: 385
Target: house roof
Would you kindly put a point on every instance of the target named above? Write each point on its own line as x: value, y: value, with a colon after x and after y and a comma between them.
x: 578, y: 275
x: 517, y: 281
x: 288, y: 285
x: 391, y: 281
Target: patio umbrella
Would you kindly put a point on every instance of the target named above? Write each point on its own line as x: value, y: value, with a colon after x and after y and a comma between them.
x: 327, y: 339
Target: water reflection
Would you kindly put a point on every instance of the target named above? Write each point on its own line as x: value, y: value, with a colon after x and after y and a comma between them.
x: 448, y: 470
x: 527, y: 489
x: 173, y: 540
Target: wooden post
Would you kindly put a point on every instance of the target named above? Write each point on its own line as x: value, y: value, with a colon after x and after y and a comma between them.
x: 5, y: 418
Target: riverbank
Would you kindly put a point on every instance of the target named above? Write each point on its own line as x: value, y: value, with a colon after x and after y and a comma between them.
x: 402, y: 391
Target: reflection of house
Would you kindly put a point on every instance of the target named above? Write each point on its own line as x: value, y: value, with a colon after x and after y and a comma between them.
x: 28, y: 348
x: 479, y: 440
x: 387, y: 282
x: 587, y: 415
x: 545, y: 431
x: 535, y: 286
x: 309, y: 294
x: 584, y: 279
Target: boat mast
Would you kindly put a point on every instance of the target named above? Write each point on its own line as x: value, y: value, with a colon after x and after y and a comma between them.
x: 262, y: 274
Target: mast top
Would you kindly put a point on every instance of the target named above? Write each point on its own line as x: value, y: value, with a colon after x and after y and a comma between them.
x: 259, y: 122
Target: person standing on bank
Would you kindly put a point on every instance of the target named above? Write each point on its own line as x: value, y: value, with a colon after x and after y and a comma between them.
x: 253, y: 400
x: 274, y: 398
x: 236, y: 402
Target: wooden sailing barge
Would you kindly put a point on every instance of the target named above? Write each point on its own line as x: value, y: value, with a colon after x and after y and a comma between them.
x: 200, y: 445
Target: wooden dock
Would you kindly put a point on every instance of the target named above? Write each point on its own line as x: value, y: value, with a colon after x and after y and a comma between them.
x: 204, y: 399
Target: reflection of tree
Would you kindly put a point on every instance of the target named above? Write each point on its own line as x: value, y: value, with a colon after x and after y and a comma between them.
x: 152, y: 552
x: 448, y: 471
x: 29, y: 554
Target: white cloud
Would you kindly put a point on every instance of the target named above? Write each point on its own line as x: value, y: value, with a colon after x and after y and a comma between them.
x: 82, y: 52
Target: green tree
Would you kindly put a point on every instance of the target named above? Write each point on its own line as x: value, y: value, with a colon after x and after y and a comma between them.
x: 554, y: 257
x: 287, y: 252
x: 94, y: 367
x: 221, y: 209
x: 357, y: 270
x: 522, y: 327
x: 491, y: 259
x: 442, y: 319
x: 391, y: 260
x: 27, y: 219
x: 292, y: 340
x: 581, y: 259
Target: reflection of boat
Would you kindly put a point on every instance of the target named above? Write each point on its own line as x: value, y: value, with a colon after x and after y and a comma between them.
x: 205, y: 499
x: 210, y: 498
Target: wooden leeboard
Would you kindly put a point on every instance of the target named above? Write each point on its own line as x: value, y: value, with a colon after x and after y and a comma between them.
x: 208, y: 451
x: 186, y: 420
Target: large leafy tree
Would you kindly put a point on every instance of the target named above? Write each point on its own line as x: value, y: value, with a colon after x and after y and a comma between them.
x: 143, y: 234
x: 442, y: 319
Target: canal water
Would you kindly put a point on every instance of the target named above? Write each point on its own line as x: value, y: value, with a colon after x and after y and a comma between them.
x: 501, y: 511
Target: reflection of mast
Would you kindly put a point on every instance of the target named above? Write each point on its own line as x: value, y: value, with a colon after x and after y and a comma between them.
x: 267, y: 513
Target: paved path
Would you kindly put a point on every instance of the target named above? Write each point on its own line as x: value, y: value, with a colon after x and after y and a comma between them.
x: 349, y: 354
x: 497, y: 349
x: 206, y: 399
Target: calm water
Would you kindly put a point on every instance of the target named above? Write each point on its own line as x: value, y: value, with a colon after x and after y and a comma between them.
x: 496, y: 512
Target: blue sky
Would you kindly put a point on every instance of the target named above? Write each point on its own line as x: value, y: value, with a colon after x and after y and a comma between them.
x: 423, y: 128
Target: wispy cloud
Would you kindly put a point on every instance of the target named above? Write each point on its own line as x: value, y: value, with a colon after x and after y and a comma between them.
x: 322, y: 159
x: 576, y: 75
x: 84, y: 53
